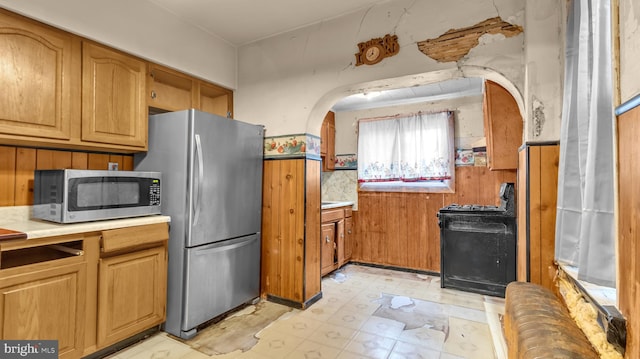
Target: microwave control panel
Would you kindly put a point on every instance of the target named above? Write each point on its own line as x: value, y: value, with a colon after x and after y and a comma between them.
x: 154, y: 193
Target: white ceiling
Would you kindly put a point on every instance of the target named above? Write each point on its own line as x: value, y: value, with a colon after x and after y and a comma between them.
x: 446, y: 90
x: 242, y: 22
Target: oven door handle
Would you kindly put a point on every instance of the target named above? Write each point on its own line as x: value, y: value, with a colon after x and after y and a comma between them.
x: 198, y: 196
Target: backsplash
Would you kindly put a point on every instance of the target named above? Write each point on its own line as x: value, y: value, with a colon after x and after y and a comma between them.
x: 340, y: 186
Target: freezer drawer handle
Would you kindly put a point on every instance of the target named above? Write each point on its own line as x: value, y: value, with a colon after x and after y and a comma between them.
x: 207, y: 251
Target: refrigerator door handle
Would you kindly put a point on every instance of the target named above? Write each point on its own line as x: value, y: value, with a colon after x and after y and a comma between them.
x: 198, y: 196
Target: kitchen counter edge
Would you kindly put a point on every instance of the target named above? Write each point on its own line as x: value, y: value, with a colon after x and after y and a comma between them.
x: 336, y: 204
x: 18, y: 218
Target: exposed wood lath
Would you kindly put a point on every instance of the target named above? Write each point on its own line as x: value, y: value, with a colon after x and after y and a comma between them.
x: 456, y: 43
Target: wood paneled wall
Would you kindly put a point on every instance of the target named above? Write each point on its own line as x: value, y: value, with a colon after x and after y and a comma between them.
x: 18, y: 163
x: 401, y: 229
x: 538, y: 192
x: 628, y: 273
x: 291, y: 230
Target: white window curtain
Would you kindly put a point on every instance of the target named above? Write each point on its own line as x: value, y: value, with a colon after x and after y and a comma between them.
x: 585, y: 235
x: 418, y: 147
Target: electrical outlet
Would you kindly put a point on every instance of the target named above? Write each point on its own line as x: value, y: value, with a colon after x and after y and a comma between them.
x: 113, y: 166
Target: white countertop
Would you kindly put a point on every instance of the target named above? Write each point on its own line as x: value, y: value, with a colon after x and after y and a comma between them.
x: 336, y: 204
x: 18, y: 218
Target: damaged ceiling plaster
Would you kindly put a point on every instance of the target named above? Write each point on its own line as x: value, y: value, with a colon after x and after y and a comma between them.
x: 456, y: 43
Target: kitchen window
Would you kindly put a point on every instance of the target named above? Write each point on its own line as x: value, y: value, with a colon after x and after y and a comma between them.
x: 407, y: 153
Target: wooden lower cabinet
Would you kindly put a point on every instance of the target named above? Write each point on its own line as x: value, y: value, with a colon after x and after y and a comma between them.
x: 329, y: 248
x: 131, y: 294
x: 58, y: 288
x: 337, y: 238
x: 348, y: 239
x: 46, y: 304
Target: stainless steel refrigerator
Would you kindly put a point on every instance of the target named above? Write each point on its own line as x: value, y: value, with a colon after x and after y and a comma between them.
x: 212, y: 189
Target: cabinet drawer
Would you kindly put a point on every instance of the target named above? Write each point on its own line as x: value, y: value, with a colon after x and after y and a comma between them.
x: 130, y: 237
x: 332, y: 215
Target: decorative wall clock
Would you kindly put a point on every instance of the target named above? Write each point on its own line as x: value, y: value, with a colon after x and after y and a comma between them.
x: 373, y: 51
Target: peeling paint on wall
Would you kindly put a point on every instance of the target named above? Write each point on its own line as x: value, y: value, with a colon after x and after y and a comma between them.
x: 538, y: 117
x: 456, y: 43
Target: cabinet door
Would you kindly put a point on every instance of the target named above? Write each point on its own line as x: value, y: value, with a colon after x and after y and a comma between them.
x: 328, y: 250
x: 37, y: 78
x: 348, y: 239
x: 327, y: 142
x: 114, y: 109
x: 503, y: 127
x: 46, y: 304
x: 131, y: 294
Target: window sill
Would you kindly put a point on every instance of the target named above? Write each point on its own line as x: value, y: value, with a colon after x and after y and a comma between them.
x: 600, y: 294
x: 440, y: 187
x: 603, y: 301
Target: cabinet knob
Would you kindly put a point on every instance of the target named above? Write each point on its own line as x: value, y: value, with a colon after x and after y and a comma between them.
x: 153, y: 94
x: 349, y: 231
x: 326, y: 238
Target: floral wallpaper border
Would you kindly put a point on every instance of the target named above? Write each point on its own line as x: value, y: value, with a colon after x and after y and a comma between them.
x: 346, y: 162
x: 302, y: 145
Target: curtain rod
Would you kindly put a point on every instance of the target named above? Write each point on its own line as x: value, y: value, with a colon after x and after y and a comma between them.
x: 400, y: 115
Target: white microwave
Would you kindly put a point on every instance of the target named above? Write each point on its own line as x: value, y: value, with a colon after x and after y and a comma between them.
x: 70, y: 196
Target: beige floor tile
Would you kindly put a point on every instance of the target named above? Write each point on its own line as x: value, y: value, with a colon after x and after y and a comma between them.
x: 194, y: 354
x: 465, y: 313
x: 413, y: 351
x: 349, y: 319
x: 469, y: 339
x: 361, y: 305
x: 232, y: 355
x: 333, y: 335
x: 276, y: 345
x: 370, y: 345
x: 383, y: 327
x: 162, y: 348
x: 128, y: 352
x: 349, y: 355
x: 342, y: 325
x: 425, y: 337
x: 461, y: 299
x: 451, y: 356
x: 313, y: 350
x: 253, y: 355
x: 299, y: 326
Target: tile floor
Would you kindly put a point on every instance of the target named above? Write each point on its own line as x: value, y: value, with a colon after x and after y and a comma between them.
x: 367, y: 312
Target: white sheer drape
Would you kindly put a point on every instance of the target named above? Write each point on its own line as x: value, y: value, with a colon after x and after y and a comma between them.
x: 418, y: 147
x: 585, y: 235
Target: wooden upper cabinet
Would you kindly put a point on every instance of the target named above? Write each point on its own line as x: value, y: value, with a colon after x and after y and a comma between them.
x: 114, y: 107
x: 215, y: 99
x: 328, y: 142
x: 171, y: 90
x: 168, y: 89
x: 39, y: 70
x: 503, y: 127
